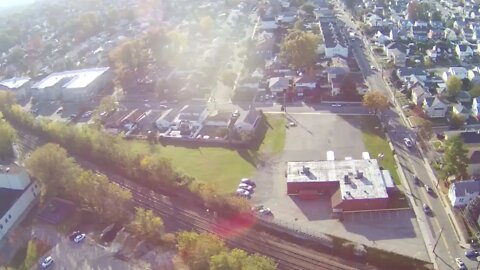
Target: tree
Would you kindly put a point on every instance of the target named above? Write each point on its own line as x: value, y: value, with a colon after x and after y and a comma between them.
x: 454, y: 86
x: 375, y: 101
x: 299, y: 48
x: 146, y: 224
x: 425, y: 129
x: 238, y: 259
x: 455, y: 158
x: 196, y: 249
x: 7, y: 137
x: 53, y: 169
x: 309, y: 8
x: 475, y: 90
x: 229, y: 77
x: 436, y: 16
x: 299, y: 25
x: 457, y: 121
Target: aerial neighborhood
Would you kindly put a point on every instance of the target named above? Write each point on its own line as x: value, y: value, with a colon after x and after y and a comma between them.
x: 240, y: 134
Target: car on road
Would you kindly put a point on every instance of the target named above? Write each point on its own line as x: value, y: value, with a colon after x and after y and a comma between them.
x: 265, y: 212
x: 163, y: 106
x: 336, y: 105
x: 471, y: 253
x: 47, y: 262
x: 292, y: 124
x: 408, y: 142
x: 460, y: 263
x: 248, y: 181
x: 428, y: 189
x: 87, y: 114
x: 416, y: 179
x: 373, y: 67
x: 79, y: 238
x: 427, y: 209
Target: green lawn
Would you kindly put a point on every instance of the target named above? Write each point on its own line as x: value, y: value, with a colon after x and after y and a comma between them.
x: 220, y: 167
x: 376, y: 143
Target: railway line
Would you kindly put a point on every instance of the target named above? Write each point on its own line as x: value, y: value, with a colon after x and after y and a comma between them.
x: 288, y: 255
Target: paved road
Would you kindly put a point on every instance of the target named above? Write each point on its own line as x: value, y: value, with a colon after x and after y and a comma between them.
x: 439, y: 233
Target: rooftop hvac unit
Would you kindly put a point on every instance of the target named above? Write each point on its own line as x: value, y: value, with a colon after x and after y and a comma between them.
x: 346, y: 179
x: 359, y: 174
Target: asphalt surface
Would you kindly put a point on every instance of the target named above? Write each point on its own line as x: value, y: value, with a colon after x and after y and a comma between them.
x: 440, y: 236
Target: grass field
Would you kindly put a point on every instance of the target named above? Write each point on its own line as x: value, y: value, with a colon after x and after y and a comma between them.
x: 376, y: 143
x: 220, y: 167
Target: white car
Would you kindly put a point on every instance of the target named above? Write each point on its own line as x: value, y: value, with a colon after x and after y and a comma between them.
x: 408, y: 142
x: 47, y: 262
x: 245, y: 186
x: 243, y: 193
x: 248, y: 181
x: 336, y: 105
x: 79, y: 238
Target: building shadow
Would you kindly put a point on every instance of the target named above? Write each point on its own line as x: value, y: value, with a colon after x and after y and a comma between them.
x: 314, y: 209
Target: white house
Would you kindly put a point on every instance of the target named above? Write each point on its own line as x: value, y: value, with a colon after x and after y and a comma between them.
x: 459, y: 72
x: 17, y: 195
x: 461, y: 193
x: 463, y: 51
x: 434, y: 107
x: 19, y: 86
x: 278, y: 84
x: 248, y: 121
x: 73, y: 86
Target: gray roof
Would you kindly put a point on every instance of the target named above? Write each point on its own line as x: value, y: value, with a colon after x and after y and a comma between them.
x: 7, y: 198
x: 468, y: 186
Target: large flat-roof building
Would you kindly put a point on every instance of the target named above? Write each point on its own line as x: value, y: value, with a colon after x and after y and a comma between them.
x: 18, y: 85
x: 72, y: 86
x: 352, y: 184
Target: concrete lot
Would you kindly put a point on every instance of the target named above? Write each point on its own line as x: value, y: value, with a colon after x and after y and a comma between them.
x: 314, y: 135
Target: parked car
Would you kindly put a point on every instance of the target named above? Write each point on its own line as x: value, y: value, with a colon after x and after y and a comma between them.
x: 460, y: 263
x: 79, y: 238
x: 471, y: 253
x: 292, y: 124
x: 243, y: 193
x: 245, y: 186
x: 408, y: 142
x: 47, y: 262
x: 428, y: 189
x: 266, y: 212
x: 426, y: 209
x: 73, y: 235
x: 336, y: 105
x: 248, y: 182
x: 416, y: 179
x: 60, y: 110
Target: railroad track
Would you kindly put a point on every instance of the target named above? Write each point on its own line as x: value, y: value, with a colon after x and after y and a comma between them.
x: 288, y: 255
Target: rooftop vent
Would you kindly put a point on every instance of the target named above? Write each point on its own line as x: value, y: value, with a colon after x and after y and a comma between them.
x: 359, y: 174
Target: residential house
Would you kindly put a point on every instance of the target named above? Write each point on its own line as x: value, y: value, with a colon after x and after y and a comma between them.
x: 435, y: 33
x: 264, y: 45
x: 419, y: 94
x: 247, y: 122
x: 381, y: 38
x: 334, y: 41
x: 476, y: 34
x: 461, y: 193
x: 467, y: 33
x: 374, y: 20
x: 474, y: 76
x: 459, y: 72
x: 419, y: 32
x: 474, y: 164
x: 276, y: 85
x: 397, y: 53
x: 398, y: 34
x: 471, y: 140
x: 18, y: 195
x: 305, y: 84
x: 459, y: 109
x: 476, y: 108
x: 18, y: 85
x: 463, y: 51
x: 459, y: 24
x: 450, y: 35
x: 434, y: 107
x: 405, y: 73
x: 464, y: 98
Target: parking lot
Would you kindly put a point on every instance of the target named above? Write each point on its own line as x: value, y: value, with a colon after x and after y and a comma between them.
x: 310, y: 139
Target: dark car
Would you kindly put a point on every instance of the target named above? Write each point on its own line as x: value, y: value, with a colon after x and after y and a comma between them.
x: 471, y: 253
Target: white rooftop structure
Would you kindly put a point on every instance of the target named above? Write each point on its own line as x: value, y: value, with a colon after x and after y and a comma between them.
x: 15, y: 82
x: 72, y: 79
x: 358, y: 179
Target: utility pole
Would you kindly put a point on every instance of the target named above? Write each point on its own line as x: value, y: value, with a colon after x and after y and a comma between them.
x: 436, y: 242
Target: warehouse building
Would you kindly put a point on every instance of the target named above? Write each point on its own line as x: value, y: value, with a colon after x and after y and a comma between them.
x: 353, y: 185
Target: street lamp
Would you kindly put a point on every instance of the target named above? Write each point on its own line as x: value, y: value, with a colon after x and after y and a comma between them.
x: 436, y: 242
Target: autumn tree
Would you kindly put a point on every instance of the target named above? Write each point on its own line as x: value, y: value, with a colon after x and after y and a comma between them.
x: 146, y: 224
x: 197, y: 249
x: 454, y: 86
x: 299, y: 25
x: 457, y: 121
x: 455, y: 159
x: 299, y: 49
x: 475, y: 90
x: 375, y: 101
x: 128, y: 59
x: 53, y: 168
x: 7, y: 137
